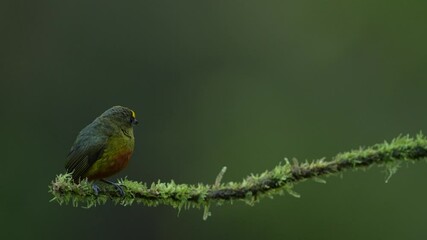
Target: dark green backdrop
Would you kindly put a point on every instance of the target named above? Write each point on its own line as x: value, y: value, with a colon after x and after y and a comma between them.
x: 241, y: 84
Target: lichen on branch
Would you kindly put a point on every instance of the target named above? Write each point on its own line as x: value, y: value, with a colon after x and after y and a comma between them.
x: 251, y: 189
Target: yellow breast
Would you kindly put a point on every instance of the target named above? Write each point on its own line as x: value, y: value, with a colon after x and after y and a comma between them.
x: 115, y: 157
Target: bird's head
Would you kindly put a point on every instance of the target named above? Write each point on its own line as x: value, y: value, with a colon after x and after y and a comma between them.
x: 122, y: 116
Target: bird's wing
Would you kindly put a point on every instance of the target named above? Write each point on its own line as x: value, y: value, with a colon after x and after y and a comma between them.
x: 84, y: 153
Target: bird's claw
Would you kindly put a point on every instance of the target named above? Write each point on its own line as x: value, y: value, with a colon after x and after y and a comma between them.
x: 96, y: 189
x: 116, y: 186
x: 119, y: 189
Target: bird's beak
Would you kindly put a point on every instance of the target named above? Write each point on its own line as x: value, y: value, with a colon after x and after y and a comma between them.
x: 135, y: 122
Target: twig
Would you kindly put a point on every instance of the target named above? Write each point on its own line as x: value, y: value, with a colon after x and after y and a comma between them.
x: 251, y: 189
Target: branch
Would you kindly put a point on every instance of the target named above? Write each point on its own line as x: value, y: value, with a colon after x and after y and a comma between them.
x: 251, y: 189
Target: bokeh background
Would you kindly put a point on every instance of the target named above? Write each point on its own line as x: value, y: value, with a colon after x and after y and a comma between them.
x: 241, y: 84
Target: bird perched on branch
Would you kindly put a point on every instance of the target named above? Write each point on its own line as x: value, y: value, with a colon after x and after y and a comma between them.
x: 104, y: 147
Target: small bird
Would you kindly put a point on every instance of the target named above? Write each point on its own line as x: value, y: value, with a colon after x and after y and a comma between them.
x: 104, y: 147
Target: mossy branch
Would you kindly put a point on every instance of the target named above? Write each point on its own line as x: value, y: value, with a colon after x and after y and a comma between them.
x: 276, y: 181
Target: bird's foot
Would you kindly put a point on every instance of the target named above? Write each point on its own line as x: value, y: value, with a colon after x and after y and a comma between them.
x: 116, y: 186
x: 96, y: 189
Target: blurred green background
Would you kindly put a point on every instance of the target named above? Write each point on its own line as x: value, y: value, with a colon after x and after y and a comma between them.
x: 241, y: 84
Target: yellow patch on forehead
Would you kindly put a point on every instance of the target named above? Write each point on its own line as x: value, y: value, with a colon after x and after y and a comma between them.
x: 133, y: 114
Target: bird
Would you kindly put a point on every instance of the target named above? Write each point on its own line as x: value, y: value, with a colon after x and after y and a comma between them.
x: 103, y: 148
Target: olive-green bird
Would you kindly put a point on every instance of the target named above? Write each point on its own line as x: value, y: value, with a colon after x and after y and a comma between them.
x: 103, y: 147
